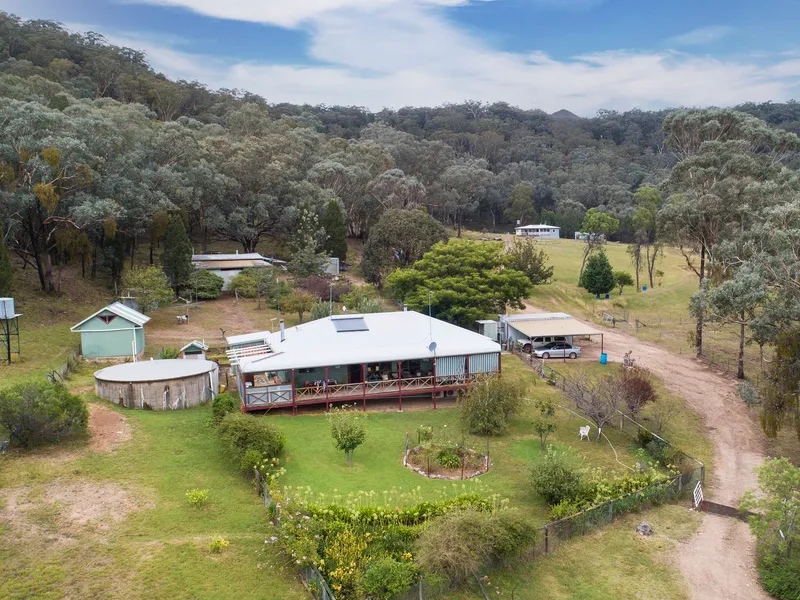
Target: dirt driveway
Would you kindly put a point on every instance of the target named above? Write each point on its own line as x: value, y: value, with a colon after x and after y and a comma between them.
x: 719, y: 562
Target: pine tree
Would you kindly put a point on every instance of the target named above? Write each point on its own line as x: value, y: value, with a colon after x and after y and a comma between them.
x: 335, y: 229
x: 178, y: 252
x: 6, y: 269
x: 598, y: 276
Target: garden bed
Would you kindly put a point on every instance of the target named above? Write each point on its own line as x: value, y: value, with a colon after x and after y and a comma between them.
x: 423, y: 460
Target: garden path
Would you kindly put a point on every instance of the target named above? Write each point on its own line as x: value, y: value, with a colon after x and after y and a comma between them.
x: 719, y: 562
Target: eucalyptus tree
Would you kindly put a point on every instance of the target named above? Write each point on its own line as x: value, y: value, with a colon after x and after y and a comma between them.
x: 44, y: 169
x: 721, y: 155
x: 645, y: 248
x: 399, y: 238
x: 597, y: 226
x: 395, y: 189
x: 459, y: 190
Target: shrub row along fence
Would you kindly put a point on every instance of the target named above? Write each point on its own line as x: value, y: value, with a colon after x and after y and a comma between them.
x: 691, y: 471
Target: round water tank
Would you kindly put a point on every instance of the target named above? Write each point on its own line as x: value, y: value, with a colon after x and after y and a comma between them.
x: 159, y: 384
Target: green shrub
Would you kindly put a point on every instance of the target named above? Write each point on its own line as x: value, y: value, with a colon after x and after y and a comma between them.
x: 169, y: 353
x: 40, y: 413
x: 462, y: 543
x: 644, y: 437
x: 218, y: 544
x: 386, y: 577
x: 206, y: 285
x: 221, y: 405
x: 780, y: 577
x: 565, y: 508
x: 557, y: 477
x: 197, y: 497
x: 424, y: 434
x: 448, y: 459
x: 488, y: 405
x: 246, y: 435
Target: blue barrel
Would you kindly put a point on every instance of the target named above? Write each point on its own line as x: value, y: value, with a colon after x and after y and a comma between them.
x: 598, y: 296
x: 603, y: 358
x: 608, y: 296
x: 644, y: 288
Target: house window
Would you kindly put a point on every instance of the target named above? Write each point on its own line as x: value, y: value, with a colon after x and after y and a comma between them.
x: 107, y: 318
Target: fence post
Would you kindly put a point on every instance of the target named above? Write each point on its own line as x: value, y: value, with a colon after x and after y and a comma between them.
x: 420, y: 587
x: 546, y: 539
x: 610, y: 511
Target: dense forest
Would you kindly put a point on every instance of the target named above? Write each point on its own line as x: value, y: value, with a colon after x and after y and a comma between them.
x: 128, y: 145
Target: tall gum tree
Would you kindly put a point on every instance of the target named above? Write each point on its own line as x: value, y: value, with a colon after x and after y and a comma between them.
x: 720, y: 153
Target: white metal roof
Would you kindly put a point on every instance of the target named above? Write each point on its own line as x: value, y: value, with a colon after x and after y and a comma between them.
x: 404, y: 335
x: 237, y: 256
x: 540, y: 226
x: 154, y: 370
x: 545, y: 327
x: 535, y: 317
x: 248, y: 338
x: 119, y: 309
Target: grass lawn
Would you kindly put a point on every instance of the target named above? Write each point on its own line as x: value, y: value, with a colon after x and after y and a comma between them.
x: 662, y: 311
x: 82, y: 524
x: 614, y: 563
x: 312, y: 460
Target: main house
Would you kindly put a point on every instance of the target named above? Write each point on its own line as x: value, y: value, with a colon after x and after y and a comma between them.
x: 355, y: 358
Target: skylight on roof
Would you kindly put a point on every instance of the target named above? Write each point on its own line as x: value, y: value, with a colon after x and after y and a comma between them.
x: 350, y: 324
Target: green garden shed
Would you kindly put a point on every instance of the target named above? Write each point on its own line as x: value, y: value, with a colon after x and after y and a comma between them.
x: 114, y: 331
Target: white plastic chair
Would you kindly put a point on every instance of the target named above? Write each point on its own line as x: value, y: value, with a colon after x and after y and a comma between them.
x: 584, y: 432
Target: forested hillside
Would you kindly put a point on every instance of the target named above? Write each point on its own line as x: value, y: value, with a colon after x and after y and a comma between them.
x: 130, y: 144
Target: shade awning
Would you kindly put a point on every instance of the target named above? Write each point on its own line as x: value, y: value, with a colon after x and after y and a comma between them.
x: 539, y: 328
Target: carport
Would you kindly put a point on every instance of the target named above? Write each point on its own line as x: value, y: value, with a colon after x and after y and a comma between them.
x: 530, y: 326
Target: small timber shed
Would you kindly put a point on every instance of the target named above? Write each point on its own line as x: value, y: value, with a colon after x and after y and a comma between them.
x: 533, y: 330
x: 114, y: 331
x: 194, y: 350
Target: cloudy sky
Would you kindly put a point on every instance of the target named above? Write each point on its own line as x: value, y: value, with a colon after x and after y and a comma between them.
x: 581, y: 55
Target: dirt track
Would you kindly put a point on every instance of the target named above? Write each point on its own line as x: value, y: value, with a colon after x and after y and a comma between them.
x: 719, y: 562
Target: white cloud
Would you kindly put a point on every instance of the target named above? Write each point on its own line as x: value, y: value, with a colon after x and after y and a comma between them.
x: 701, y: 36
x: 289, y: 13
x: 410, y: 54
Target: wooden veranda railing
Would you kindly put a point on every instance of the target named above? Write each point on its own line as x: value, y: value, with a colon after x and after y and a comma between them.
x: 282, y: 395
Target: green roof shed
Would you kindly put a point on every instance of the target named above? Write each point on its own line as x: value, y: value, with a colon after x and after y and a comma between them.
x: 114, y: 331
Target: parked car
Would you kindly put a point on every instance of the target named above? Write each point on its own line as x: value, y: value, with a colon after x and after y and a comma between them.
x: 541, y: 342
x: 558, y: 350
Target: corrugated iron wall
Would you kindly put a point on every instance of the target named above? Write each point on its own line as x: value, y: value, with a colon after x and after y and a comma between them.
x: 484, y: 363
x: 170, y: 394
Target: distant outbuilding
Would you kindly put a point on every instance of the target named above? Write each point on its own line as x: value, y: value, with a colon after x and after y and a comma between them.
x: 540, y: 232
x: 114, y: 331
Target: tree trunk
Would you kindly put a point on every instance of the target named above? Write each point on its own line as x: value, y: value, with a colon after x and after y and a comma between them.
x: 83, y: 265
x: 48, y: 273
x: 458, y: 218
x: 151, y: 253
x: 698, y: 340
x: 94, y: 261
x: 586, y: 251
x: 740, y: 361
x: 133, y: 251
x: 349, y: 458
